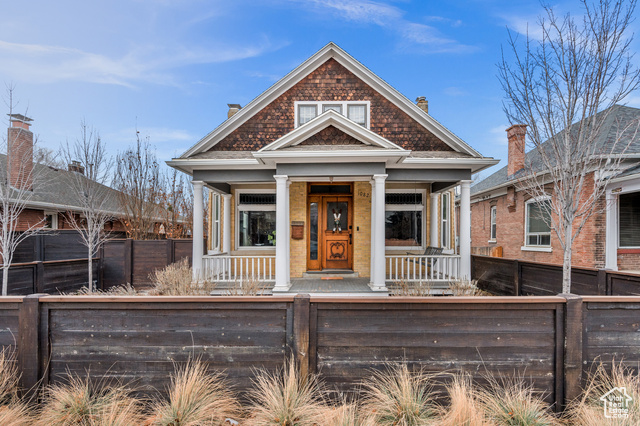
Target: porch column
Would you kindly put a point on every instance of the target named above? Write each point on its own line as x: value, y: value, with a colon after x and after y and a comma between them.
x: 611, y: 233
x: 373, y: 234
x: 226, y: 220
x: 198, y: 229
x: 379, y: 265
x: 465, y: 229
x: 282, y: 221
x: 288, y: 231
x: 433, y: 228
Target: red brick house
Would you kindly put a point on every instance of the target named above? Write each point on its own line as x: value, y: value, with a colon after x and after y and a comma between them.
x: 503, y: 216
x: 342, y: 171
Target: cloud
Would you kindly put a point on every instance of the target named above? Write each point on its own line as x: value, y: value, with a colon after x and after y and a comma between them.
x: 524, y: 25
x: 155, y: 135
x: 392, y: 18
x: 455, y: 91
x: 498, y: 134
x: 40, y: 63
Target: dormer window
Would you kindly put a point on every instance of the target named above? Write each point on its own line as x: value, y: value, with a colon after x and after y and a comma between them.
x: 356, y: 111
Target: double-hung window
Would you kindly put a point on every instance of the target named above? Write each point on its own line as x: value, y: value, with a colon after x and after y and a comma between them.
x: 256, y: 219
x: 493, y: 215
x: 629, y: 220
x: 537, y: 223
x: 445, y: 220
x: 50, y: 220
x: 404, y: 218
x: 356, y: 111
x: 214, y: 235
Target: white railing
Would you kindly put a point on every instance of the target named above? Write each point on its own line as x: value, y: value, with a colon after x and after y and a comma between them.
x: 419, y: 268
x: 228, y: 268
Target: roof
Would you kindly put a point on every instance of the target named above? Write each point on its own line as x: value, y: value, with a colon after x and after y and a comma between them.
x: 619, y: 118
x: 329, y: 51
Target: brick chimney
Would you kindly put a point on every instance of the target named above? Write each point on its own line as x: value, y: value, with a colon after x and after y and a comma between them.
x: 20, y: 152
x: 76, y: 166
x: 516, y: 136
x: 233, y: 108
x: 423, y: 103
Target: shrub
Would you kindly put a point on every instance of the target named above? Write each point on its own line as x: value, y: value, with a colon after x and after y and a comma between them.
x: 247, y: 286
x: 466, y: 288
x: 463, y: 408
x: 405, y: 288
x: 196, y: 397
x: 285, y: 398
x: 397, y: 396
x: 176, y: 280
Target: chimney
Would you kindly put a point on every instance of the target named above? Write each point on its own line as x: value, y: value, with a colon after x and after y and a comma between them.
x: 76, y: 166
x: 20, y: 152
x: 423, y: 103
x: 516, y: 136
x: 233, y: 108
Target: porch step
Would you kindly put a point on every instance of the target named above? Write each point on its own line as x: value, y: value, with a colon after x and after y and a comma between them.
x: 330, y: 274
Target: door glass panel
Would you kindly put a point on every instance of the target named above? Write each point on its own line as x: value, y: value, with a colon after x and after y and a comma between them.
x: 313, y: 231
x: 337, y: 216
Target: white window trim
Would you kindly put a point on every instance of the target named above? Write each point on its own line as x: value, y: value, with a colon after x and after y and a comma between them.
x: 251, y: 207
x: 215, y: 225
x: 618, y: 218
x: 409, y: 208
x: 54, y: 219
x: 344, y: 105
x: 448, y: 220
x: 526, y: 246
x: 493, y: 220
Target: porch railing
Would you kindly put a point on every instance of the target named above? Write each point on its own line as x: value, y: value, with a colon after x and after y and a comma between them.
x: 419, y: 268
x: 225, y: 268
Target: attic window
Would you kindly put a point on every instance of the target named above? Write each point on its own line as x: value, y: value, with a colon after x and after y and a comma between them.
x: 356, y: 111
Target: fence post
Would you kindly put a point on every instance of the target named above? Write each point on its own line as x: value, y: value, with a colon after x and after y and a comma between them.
x: 301, y: 305
x: 573, y: 347
x: 170, y: 258
x: 38, y: 246
x: 128, y: 261
x: 602, y: 282
x: 39, y: 277
x: 29, y: 342
x: 517, y: 278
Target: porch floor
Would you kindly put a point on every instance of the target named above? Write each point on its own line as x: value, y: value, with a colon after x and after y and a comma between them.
x: 333, y: 287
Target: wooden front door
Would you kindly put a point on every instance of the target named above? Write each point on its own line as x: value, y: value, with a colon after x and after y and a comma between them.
x: 330, y: 232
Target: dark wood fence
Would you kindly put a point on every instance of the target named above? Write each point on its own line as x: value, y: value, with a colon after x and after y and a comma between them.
x: 514, y: 277
x: 550, y: 341
x: 53, y: 277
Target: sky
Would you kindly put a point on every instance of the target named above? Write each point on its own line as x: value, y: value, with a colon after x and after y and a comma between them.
x: 168, y: 68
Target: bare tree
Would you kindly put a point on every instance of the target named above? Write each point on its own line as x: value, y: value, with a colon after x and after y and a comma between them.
x: 175, y: 203
x: 565, y: 87
x: 87, y: 180
x: 139, y: 181
x: 18, y: 177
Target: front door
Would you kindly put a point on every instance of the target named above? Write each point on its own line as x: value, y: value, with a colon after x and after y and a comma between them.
x: 330, y: 232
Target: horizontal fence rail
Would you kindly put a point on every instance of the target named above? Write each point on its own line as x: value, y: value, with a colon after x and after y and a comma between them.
x: 420, y: 268
x: 229, y: 268
x: 141, y: 338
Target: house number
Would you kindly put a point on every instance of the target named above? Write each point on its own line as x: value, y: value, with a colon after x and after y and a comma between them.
x: 364, y: 194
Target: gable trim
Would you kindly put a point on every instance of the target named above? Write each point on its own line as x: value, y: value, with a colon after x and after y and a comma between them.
x: 331, y: 50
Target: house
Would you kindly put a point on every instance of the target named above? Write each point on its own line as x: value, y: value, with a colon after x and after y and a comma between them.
x: 337, y: 170
x: 504, y: 216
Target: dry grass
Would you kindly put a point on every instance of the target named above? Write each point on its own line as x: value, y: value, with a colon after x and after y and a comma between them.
x: 15, y: 414
x: 466, y: 288
x: 464, y: 408
x: 285, y: 398
x: 121, y: 290
x: 247, y: 286
x: 341, y: 415
x: 9, y: 376
x: 511, y: 402
x: 176, y: 280
x: 588, y: 409
x: 399, y: 397
x: 79, y: 402
x: 405, y: 288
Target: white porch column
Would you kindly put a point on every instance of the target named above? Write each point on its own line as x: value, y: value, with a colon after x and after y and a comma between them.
x: 226, y: 220
x: 373, y: 234
x: 433, y: 228
x: 288, y: 230
x: 379, y: 265
x: 198, y: 229
x: 465, y: 229
x: 611, y: 234
x: 282, y: 222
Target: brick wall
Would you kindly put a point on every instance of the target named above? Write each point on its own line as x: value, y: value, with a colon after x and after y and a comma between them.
x: 330, y: 82
x: 20, y: 149
x: 362, y: 228
x: 629, y: 260
x: 298, y: 212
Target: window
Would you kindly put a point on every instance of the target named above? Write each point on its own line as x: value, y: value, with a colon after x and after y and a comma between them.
x: 50, y: 220
x: 356, y: 111
x: 404, y: 219
x: 445, y: 218
x: 214, y: 236
x: 256, y: 219
x: 629, y: 220
x: 493, y: 223
x: 538, y: 231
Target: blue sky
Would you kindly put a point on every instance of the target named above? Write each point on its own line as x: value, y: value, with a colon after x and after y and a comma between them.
x: 169, y: 67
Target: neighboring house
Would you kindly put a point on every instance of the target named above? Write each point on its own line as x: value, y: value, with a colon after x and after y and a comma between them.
x: 502, y: 215
x: 340, y: 169
x: 50, y: 201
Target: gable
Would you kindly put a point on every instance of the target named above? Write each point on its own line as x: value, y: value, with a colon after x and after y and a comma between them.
x: 330, y: 136
x: 331, y: 81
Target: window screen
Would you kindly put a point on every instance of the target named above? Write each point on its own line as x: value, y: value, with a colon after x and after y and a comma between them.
x: 630, y: 220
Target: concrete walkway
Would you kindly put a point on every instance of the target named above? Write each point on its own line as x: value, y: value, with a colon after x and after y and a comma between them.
x: 333, y: 287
